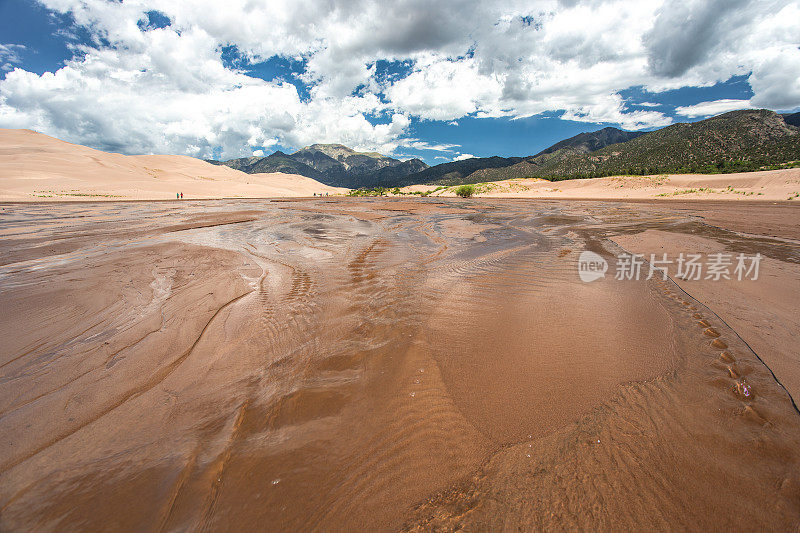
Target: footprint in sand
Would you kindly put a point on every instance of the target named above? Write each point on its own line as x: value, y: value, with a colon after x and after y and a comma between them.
x: 754, y: 415
x: 741, y: 388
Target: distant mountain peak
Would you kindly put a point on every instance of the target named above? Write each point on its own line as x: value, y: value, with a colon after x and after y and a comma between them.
x: 330, y: 146
x: 793, y: 119
x: 592, y: 140
x: 339, y: 152
x: 332, y: 163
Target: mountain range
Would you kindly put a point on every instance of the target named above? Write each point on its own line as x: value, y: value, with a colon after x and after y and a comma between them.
x: 735, y: 141
x: 793, y: 119
x: 332, y: 164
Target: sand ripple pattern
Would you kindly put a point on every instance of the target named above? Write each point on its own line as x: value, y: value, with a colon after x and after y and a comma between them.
x: 342, y: 364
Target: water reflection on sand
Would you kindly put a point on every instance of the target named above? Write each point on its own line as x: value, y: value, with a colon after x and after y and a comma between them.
x: 341, y: 363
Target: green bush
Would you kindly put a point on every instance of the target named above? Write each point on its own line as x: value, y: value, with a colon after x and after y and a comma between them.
x: 376, y: 191
x: 465, y: 191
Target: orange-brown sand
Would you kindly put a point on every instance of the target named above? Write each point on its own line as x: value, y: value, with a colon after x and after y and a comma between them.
x: 384, y: 364
x: 35, y: 167
x: 765, y: 313
x: 768, y: 185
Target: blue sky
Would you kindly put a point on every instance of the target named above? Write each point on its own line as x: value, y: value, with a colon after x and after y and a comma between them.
x: 33, y: 26
x: 153, y: 76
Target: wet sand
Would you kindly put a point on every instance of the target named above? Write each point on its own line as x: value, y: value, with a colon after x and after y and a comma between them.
x: 392, y: 364
x: 764, y: 313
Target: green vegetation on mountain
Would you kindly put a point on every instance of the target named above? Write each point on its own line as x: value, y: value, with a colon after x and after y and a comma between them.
x: 589, y: 142
x: 498, y: 168
x: 455, y: 172
x: 739, y: 141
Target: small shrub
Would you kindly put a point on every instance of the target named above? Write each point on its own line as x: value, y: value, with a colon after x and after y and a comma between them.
x: 465, y: 191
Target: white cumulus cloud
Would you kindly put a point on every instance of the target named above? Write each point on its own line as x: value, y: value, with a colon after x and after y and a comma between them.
x: 715, y: 107
x: 138, y: 88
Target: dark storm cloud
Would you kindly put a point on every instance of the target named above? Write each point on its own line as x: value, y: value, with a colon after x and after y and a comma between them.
x: 686, y: 32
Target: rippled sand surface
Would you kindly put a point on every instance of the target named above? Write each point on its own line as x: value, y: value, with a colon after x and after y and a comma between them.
x: 340, y: 364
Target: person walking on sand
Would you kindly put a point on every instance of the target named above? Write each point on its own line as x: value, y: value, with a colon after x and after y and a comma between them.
x: 181, y: 196
x: 178, y: 195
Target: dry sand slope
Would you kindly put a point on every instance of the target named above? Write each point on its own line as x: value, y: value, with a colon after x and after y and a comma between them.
x: 35, y: 167
x: 769, y: 185
x: 340, y: 364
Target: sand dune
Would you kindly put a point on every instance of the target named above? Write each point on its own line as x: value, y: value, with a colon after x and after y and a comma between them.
x: 768, y: 185
x: 35, y: 167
